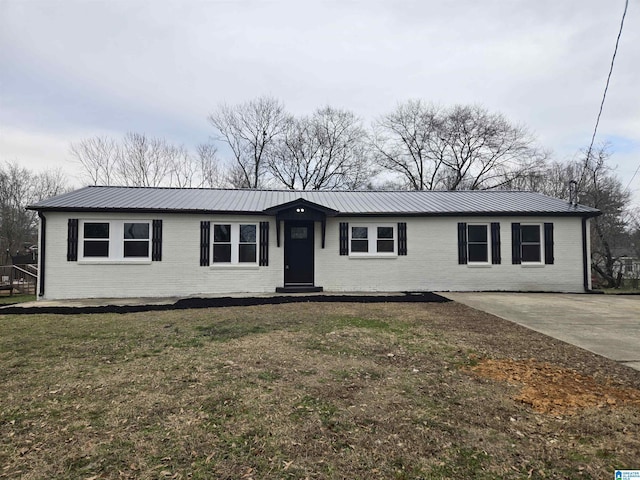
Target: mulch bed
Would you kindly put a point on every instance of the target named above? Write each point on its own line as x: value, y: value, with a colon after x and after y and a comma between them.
x: 187, y: 303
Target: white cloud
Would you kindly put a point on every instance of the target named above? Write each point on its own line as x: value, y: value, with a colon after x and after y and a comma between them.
x: 161, y: 66
x: 39, y: 151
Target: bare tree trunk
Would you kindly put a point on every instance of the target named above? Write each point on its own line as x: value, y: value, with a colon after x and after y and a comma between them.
x: 250, y: 129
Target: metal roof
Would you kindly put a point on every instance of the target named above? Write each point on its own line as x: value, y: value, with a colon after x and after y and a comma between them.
x: 422, y: 203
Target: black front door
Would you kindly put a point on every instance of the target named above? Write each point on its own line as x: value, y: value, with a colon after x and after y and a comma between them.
x: 298, y: 253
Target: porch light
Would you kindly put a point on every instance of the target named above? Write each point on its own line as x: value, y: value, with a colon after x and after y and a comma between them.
x: 300, y: 210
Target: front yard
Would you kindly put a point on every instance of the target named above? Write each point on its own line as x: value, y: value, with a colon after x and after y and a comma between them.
x: 331, y: 391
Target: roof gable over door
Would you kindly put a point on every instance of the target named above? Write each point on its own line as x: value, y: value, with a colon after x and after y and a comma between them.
x: 301, y: 209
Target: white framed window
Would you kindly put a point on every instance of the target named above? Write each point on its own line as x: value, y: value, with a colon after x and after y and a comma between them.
x: 235, y: 244
x: 115, y: 240
x: 531, y: 245
x: 95, y: 239
x: 373, y: 240
x: 478, y: 243
x: 136, y: 240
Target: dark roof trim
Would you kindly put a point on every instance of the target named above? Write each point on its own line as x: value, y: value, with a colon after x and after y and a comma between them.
x: 368, y: 214
x: 475, y: 214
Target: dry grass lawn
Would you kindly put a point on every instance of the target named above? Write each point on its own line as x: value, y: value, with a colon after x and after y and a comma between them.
x: 6, y: 299
x: 318, y: 391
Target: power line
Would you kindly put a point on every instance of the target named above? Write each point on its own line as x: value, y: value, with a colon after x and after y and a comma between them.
x: 613, y: 59
x: 632, y: 177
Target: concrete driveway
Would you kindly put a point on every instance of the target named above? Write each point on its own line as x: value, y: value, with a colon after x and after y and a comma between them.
x: 608, y: 325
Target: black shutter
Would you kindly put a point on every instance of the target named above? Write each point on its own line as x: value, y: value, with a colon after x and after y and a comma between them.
x: 548, y: 243
x: 402, y: 238
x: 462, y: 243
x: 495, y: 243
x: 156, y: 241
x: 264, y: 244
x: 515, y: 244
x: 72, y: 240
x: 344, y: 238
x: 205, y: 247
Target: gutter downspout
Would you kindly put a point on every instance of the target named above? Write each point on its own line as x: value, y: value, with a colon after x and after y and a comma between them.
x: 585, y: 258
x: 41, y: 253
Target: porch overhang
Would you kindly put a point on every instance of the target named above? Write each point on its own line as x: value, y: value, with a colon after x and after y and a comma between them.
x: 301, y: 209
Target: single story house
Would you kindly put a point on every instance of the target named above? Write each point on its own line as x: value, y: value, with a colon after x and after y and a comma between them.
x: 153, y: 242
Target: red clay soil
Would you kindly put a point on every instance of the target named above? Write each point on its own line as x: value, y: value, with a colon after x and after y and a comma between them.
x: 551, y: 389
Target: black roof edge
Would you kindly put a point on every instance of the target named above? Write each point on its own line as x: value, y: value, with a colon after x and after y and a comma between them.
x: 474, y: 214
x: 363, y: 214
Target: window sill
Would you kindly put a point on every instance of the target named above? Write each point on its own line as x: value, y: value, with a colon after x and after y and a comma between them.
x: 369, y: 257
x: 234, y: 266
x: 115, y: 262
x: 479, y: 265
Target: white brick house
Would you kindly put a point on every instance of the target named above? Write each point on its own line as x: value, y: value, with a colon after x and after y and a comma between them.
x: 153, y: 242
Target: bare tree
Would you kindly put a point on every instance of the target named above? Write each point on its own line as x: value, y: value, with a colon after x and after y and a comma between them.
x: 249, y: 129
x: 463, y: 147
x: 601, y: 189
x: 145, y: 161
x: 15, y: 190
x: 183, y: 171
x: 598, y: 187
x: 20, y: 187
x: 209, y: 166
x: 483, y: 150
x: 405, y: 143
x: 326, y: 151
x: 140, y: 160
x: 48, y: 183
x: 290, y: 151
x: 98, y: 157
x: 552, y: 178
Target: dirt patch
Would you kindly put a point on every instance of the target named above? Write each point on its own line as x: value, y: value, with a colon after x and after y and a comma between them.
x: 556, y: 390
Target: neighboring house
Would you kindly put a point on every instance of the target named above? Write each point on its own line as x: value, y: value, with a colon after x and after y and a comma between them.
x: 625, y: 263
x: 630, y: 268
x: 151, y: 242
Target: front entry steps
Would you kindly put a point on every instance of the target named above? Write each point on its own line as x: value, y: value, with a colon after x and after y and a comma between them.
x: 298, y: 289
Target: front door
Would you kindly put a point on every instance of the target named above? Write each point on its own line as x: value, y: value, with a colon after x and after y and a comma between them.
x: 298, y: 253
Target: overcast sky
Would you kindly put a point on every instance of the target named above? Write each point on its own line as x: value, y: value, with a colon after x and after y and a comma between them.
x: 76, y: 69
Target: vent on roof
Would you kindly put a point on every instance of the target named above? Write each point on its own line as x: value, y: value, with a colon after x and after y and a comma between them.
x: 573, y: 193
